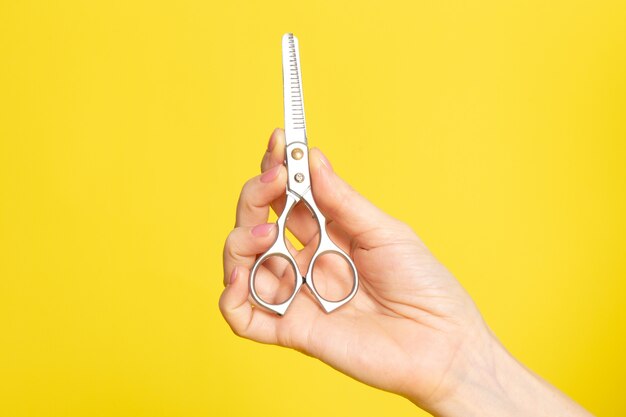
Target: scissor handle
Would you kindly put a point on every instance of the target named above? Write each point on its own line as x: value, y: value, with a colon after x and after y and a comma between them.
x: 279, y: 248
x: 326, y: 246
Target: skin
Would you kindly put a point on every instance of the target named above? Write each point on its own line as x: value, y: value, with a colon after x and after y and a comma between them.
x: 411, y: 328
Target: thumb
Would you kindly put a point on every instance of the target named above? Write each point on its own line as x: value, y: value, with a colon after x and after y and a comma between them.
x: 340, y: 202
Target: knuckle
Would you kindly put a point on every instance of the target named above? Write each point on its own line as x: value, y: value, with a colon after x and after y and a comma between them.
x: 248, y: 206
x: 246, y: 190
x: 247, y: 196
x: 221, y: 305
x: 231, y: 246
x: 237, y: 330
x: 228, y: 316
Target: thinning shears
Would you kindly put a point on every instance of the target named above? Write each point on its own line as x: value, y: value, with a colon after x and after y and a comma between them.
x: 299, y: 190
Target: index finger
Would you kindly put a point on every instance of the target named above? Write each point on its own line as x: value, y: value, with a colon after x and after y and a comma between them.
x: 257, y: 194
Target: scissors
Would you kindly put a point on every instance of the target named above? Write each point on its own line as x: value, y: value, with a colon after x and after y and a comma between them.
x: 298, y: 190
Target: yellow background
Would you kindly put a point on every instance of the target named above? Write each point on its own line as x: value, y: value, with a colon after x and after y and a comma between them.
x: 496, y: 129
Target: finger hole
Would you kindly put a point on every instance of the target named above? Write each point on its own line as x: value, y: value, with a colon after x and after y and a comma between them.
x: 332, y: 276
x: 271, y: 288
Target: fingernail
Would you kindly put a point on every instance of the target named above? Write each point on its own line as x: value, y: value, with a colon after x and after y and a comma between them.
x: 325, y: 160
x: 272, y: 142
x: 271, y: 174
x: 262, y: 229
x: 233, y: 276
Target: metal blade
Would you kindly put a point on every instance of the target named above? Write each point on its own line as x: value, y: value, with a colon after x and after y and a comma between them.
x: 295, y: 124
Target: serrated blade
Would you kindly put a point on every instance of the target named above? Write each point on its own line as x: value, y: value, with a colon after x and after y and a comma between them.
x: 295, y: 123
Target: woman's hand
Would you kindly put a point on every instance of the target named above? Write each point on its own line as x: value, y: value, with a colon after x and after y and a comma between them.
x: 411, y: 328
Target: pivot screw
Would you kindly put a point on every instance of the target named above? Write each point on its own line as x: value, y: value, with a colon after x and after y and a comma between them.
x: 297, y: 154
x: 299, y: 177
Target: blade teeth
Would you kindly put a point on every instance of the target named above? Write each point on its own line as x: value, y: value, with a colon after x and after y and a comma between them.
x: 295, y: 86
x: 293, y: 96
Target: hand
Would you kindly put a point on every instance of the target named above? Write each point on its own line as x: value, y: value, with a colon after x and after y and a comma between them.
x: 410, y: 318
x: 411, y: 328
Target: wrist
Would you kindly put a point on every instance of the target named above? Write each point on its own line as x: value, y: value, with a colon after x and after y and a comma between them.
x: 478, y: 380
x: 489, y: 381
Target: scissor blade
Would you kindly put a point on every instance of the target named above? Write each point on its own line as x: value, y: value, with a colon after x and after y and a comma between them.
x: 295, y: 124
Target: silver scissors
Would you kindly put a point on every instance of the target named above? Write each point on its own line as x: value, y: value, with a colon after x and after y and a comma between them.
x: 299, y: 190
